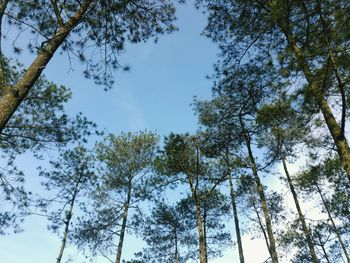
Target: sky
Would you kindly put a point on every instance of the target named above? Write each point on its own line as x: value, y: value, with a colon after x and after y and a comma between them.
x: 155, y: 95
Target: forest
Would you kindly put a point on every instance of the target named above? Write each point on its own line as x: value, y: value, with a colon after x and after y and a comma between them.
x: 267, y: 161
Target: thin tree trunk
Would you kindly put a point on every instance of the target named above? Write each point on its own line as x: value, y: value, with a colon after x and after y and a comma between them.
x: 261, y: 226
x: 13, y: 96
x: 202, y: 250
x: 261, y: 193
x: 176, y: 248
x: 205, y: 234
x: 236, y: 220
x: 322, y: 247
x: 335, y: 229
x: 300, y: 214
x: 65, y: 233
x: 123, y: 227
x: 318, y: 94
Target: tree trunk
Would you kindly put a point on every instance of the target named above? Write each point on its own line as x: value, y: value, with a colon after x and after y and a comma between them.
x: 318, y: 94
x: 205, y: 234
x: 202, y: 250
x: 261, y: 193
x: 335, y: 229
x: 176, y: 248
x: 261, y: 226
x: 66, y: 229
x: 13, y: 96
x: 236, y: 220
x: 300, y: 214
x: 123, y: 227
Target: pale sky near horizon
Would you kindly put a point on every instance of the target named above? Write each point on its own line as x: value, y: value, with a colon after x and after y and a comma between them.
x: 155, y: 95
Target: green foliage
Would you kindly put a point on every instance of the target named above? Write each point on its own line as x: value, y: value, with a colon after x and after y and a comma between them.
x: 124, y: 164
x: 106, y: 26
x: 69, y: 179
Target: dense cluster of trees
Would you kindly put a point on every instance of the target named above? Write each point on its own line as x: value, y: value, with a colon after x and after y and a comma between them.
x: 280, y: 96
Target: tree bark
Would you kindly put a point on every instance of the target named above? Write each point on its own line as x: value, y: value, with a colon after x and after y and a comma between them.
x: 67, y: 222
x: 335, y: 229
x: 13, y: 96
x: 318, y: 94
x: 261, y: 193
x: 202, y: 249
x: 123, y: 227
x: 300, y: 214
x: 236, y: 220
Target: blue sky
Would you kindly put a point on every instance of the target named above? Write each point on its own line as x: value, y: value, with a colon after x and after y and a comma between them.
x: 155, y: 95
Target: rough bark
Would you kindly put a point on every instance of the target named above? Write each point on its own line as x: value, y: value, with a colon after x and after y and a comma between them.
x: 12, y: 97
x: 335, y: 229
x: 319, y: 96
x: 261, y: 193
x: 236, y: 220
x: 123, y: 226
x: 300, y: 214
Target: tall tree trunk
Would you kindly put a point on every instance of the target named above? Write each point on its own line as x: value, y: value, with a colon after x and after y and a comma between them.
x: 261, y: 225
x: 202, y: 250
x: 66, y: 228
x: 300, y: 214
x: 236, y: 220
x: 319, y: 96
x: 261, y: 193
x: 335, y: 229
x: 176, y: 248
x: 205, y: 234
x: 13, y: 96
x: 123, y: 227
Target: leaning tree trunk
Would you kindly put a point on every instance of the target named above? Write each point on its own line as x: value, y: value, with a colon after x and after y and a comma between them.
x: 123, y: 227
x: 335, y: 229
x: 236, y: 220
x: 318, y: 94
x: 300, y: 214
x: 12, y: 97
x: 261, y: 193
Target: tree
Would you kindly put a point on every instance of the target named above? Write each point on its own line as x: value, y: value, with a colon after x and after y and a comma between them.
x: 71, y: 178
x: 39, y: 123
x: 166, y: 233
x: 237, y: 95
x: 283, y: 130
x: 215, y: 210
x: 309, y: 39
x: 310, y: 180
x: 182, y: 162
x: 81, y: 28
x: 126, y: 161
